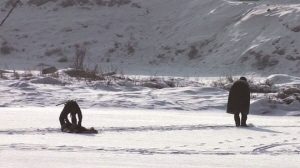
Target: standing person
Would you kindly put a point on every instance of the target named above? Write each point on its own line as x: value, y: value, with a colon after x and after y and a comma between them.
x: 239, y: 101
x: 72, y: 108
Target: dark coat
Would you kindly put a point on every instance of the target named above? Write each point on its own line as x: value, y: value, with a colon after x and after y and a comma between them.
x: 72, y: 108
x: 239, y: 98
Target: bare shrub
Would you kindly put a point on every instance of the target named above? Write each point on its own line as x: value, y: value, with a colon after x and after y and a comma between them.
x: 16, y: 75
x: 84, y: 74
x: 80, y: 55
x: 289, y: 95
x: 2, y: 74
x: 49, y: 70
x: 223, y: 82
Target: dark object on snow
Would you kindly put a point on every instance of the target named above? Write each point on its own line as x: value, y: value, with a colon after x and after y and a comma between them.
x: 72, y: 108
x: 49, y: 70
x: 79, y: 130
x: 239, y: 101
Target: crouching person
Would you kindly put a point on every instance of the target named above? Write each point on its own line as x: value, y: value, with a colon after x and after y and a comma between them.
x: 72, y: 108
x: 239, y: 101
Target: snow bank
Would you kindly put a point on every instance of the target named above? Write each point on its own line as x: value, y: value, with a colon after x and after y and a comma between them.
x: 284, y: 80
x: 47, y: 80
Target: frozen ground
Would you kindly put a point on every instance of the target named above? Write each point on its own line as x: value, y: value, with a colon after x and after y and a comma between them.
x: 30, y: 137
x: 142, y: 126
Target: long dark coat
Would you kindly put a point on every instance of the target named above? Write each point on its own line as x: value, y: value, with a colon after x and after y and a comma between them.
x: 239, y: 98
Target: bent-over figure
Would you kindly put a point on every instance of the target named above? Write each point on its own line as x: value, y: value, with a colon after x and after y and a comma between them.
x: 71, y: 108
x: 239, y: 101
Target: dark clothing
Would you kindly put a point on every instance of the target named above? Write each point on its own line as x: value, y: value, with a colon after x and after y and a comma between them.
x: 239, y: 98
x: 239, y: 102
x: 238, y: 121
x: 72, y: 108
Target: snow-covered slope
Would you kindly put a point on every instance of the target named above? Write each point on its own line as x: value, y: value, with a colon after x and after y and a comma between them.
x: 191, y: 37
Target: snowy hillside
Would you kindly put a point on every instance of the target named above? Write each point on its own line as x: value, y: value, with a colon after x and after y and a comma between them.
x: 190, y: 38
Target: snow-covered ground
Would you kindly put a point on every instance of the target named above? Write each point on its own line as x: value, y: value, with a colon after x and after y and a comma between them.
x: 166, y: 105
x: 139, y: 126
x: 30, y: 137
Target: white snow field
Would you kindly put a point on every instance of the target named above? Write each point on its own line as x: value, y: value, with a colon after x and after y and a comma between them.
x: 30, y: 137
x: 143, y: 127
x: 165, y: 106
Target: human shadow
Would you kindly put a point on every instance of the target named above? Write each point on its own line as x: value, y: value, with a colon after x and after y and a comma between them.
x: 260, y: 129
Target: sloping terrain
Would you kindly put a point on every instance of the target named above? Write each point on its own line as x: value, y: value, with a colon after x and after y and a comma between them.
x: 173, y: 37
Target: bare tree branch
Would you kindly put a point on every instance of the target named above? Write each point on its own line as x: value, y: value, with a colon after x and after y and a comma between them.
x: 13, y: 7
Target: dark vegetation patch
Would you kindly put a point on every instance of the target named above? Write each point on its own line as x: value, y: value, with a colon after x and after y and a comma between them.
x: 279, y: 51
x: 6, y: 48
x: 292, y: 58
x: 296, y: 29
x: 40, y: 2
x: 84, y: 74
x: 54, y: 51
x: 263, y: 62
x: 289, y: 95
x: 193, y: 53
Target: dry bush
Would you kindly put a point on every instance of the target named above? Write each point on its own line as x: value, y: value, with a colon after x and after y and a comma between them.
x: 224, y: 82
x: 16, y: 75
x: 80, y: 55
x: 84, y: 74
x: 2, y: 75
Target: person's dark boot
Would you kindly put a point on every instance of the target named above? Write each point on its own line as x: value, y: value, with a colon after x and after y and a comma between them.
x: 237, y: 120
x: 244, y: 120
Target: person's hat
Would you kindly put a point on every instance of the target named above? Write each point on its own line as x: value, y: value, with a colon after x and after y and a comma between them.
x: 243, y: 78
